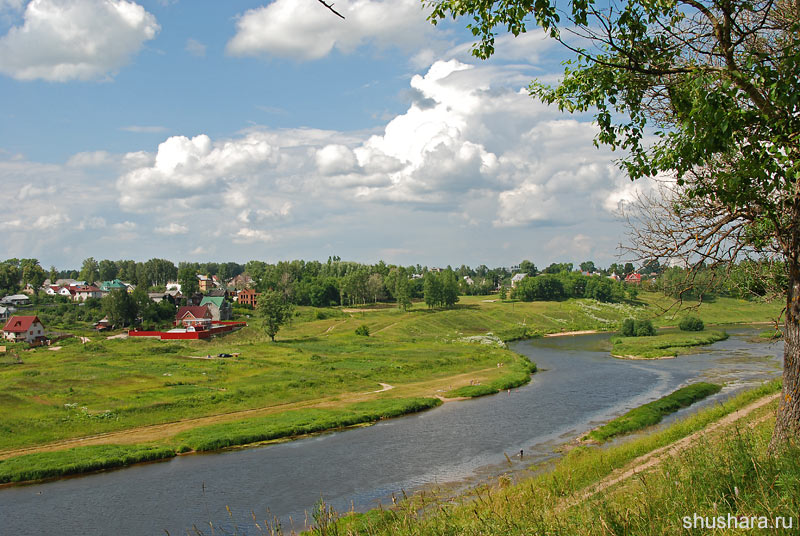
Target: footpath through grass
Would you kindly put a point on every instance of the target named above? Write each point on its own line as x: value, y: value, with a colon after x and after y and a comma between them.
x: 663, y: 344
x: 651, y: 413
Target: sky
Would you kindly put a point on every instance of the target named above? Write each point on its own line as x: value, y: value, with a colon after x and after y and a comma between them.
x: 228, y: 131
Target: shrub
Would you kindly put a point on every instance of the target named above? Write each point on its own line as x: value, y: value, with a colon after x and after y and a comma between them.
x: 637, y: 328
x: 363, y: 330
x: 691, y: 323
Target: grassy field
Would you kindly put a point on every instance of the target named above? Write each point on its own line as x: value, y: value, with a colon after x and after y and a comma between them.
x: 651, y: 413
x: 663, y: 344
x: 107, y: 386
x: 723, y: 472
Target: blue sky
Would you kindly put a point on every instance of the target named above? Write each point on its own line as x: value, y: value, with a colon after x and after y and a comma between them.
x: 209, y: 130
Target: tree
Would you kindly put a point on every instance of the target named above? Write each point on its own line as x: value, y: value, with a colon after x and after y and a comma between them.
x: 588, y: 266
x: 120, y: 308
x: 401, y: 289
x: 714, y: 83
x: 187, y: 279
x: 90, y: 271
x: 107, y: 270
x: 527, y: 267
x: 275, y: 312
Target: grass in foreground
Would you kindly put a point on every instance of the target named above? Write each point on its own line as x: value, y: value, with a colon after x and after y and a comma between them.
x: 651, y: 413
x: 532, y: 505
x: 664, y: 344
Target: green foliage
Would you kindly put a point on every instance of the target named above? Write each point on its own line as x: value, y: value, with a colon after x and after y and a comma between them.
x: 120, y: 308
x: 187, y: 277
x: 275, y: 312
x: 363, y: 330
x: 632, y: 327
x: 519, y: 373
x: 652, y: 412
x: 441, y: 289
x: 691, y: 323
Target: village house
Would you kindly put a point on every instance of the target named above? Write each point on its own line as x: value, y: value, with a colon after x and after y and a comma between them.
x: 634, y: 279
x: 5, y: 313
x: 517, y: 278
x: 16, y: 299
x: 241, y: 281
x: 81, y: 294
x: 24, y: 329
x: 220, y: 308
x: 108, y: 286
x: 468, y: 280
x: 248, y: 297
x: 205, y: 282
x: 193, y: 316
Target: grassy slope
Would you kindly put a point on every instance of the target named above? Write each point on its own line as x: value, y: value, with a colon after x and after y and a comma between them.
x: 651, y: 413
x: 663, y: 344
x: 110, y: 385
x: 548, y: 503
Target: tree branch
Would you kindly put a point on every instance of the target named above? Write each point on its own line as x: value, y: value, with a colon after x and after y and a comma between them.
x: 330, y: 6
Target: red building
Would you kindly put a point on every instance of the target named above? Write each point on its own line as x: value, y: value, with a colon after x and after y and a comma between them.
x: 248, y: 297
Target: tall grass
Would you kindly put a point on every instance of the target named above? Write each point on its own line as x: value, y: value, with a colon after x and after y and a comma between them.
x: 651, y: 413
x: 519, y: 374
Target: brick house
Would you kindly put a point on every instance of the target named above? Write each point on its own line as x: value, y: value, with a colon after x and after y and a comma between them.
x: 193, y: 316
x: 248, y: 297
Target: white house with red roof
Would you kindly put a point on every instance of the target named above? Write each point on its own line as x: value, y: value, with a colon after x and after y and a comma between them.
x: 24, y: 329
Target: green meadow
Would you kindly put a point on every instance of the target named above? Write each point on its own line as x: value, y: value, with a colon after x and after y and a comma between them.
x: 318, y: 362
x: 663, y: 344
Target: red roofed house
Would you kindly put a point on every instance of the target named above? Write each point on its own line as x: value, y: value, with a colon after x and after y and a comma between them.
x: 24, y: 328
x: 193, y: 316
x: 634, y: 278
x: 85, y: 292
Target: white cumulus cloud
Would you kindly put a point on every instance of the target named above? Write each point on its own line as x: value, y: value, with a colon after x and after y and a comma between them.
x: 61, y: 40
x: 305, y: 30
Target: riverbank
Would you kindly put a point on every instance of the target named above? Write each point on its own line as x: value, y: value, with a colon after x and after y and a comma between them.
x: 129, y: 392
x: 680, y: 470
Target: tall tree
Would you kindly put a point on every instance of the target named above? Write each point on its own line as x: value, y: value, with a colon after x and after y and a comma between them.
x: 187, y: 278
x: 274, y: 311
x: 120, y: 308
x: 90, y: 271
x: 717, y: 82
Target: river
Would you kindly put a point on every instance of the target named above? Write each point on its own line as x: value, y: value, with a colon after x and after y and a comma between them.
x: 579, y: 385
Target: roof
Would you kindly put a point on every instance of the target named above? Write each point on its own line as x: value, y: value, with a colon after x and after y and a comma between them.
x: 216, y: 293
x: 216, y: 300
x: 197, y: 311
x: 17, y: 297
x: 88, y: 288
x: 519, y: 277
x: 20, y: 324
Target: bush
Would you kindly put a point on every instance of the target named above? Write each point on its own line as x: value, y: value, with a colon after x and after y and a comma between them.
x: 691, y: 323
x: 363, y: 330
x: 637, y: 328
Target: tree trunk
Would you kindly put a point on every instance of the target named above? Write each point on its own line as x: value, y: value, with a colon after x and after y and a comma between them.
x: 787, y: 426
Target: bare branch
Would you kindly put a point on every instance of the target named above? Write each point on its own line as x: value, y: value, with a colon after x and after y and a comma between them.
x: 330, y: 6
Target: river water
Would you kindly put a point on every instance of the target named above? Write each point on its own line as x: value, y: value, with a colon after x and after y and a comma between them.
x: 578, y: 386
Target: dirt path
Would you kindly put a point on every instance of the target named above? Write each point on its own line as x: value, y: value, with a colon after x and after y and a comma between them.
x: 651, y: 459
x: 155, y: 432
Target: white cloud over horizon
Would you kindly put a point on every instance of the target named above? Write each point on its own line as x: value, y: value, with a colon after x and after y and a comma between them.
x: 62, y: 40
x: 473, y: 162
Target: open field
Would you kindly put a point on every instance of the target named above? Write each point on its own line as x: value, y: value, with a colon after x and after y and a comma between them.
x: 130, y: 391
